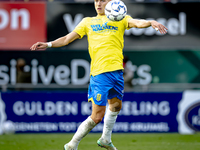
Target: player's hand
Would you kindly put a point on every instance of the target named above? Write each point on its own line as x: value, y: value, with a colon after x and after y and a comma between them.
x: 159, y: 27
x: 39, y: 45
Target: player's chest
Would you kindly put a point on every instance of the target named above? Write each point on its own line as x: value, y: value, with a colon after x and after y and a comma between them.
x: 103, y: 26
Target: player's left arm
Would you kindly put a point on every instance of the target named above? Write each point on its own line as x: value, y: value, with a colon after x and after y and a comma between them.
x: 136, y: 23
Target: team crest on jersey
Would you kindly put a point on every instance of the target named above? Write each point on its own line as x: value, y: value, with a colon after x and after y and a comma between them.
x: 104, y: 28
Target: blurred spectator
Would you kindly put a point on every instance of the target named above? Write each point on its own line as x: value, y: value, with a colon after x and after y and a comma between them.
x: 22, y: 75
x: 128, y: 72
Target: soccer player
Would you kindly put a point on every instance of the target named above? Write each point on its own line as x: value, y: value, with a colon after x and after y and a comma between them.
x: 105, y: 39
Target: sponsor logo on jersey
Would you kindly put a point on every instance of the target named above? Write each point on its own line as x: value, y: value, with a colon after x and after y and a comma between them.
x: 104, y: 27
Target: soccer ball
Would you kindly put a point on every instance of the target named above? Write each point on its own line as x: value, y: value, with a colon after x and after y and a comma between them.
x: 8, y: 127
x: 115, y: 10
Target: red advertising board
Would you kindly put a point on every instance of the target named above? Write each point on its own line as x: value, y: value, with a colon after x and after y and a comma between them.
x: 21, y: 25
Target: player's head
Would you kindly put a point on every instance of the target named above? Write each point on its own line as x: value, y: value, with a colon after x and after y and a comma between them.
x: 100, y: 6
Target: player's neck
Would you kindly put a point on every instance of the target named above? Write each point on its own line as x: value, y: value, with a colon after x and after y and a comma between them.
x: 100, y: 15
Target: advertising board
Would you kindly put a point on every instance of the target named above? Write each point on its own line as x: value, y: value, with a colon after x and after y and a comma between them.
x: 21, y: 25
x: 66, y: 68
x: 64, y: 111
x: 183, y: 29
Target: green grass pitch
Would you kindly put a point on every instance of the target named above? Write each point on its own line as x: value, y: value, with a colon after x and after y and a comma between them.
x: 130, y: 141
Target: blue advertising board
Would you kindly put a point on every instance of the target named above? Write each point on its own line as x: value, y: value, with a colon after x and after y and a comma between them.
x: 64, y: 111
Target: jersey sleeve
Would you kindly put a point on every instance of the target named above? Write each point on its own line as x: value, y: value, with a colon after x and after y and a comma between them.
x: 126, y: 20
x: 81, y: 28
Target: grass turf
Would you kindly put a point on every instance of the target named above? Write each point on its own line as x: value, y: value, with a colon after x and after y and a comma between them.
x: 168, y: 141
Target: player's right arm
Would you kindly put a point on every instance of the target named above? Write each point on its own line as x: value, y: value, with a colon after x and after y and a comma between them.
x: 62, y: 41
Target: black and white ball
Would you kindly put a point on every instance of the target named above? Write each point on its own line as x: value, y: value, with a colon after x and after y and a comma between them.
x: 115, y: 10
